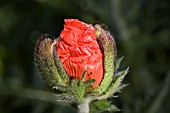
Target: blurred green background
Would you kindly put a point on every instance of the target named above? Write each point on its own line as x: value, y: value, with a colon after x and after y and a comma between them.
x: 141, y: 29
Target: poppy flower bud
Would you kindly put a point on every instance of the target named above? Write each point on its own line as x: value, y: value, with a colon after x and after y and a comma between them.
x: 81, y: 62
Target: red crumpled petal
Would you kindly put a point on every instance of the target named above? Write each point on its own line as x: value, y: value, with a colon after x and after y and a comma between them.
x: 78, y: 51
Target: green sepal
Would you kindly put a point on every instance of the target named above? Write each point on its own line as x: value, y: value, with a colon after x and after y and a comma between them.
x: 108, y: 47
x: 59, y: 65
x: 117, y: 85
x: 44, y: 61
x: 102, y: 104
x: 118, y: 64
x: 80, y: 88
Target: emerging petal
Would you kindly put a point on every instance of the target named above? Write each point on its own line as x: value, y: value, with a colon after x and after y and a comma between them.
x: 78, y: 51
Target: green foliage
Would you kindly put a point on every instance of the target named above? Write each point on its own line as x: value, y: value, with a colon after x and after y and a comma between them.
x: 76, y: 91
x: 117, y: 85
x: 103, y: 106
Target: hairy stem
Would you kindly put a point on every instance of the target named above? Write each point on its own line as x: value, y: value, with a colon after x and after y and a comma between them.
x: 84, y: 106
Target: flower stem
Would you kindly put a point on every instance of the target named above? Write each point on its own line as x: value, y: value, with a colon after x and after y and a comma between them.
x: 84, y: 106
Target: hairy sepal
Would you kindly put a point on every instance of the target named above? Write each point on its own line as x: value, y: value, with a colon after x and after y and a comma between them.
x: 108, y: 47
x: 44, y: 60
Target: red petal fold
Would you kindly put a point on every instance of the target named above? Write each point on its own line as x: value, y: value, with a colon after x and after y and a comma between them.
x: 78, y: 51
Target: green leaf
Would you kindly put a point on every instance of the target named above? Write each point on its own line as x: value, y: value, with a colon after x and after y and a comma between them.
x: 118, y: 64
x: 102, y: 106
x: 117, y: 85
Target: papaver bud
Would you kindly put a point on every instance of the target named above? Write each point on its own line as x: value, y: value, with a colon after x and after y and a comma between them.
x: 80, y: 63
